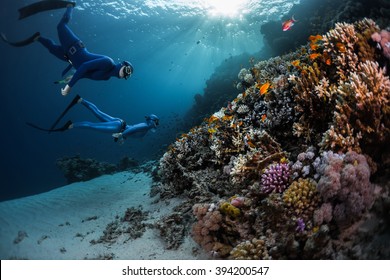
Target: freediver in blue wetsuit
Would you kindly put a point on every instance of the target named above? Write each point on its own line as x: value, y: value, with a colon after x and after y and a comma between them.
x: 115, y: 126
x: 72, y: 49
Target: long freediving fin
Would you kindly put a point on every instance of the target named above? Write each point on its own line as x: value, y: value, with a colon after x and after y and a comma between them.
x: 65, y: 80
x: 41, y: 6
x: 63, y: 128
x: 22, y: 43
x: 71, y: 104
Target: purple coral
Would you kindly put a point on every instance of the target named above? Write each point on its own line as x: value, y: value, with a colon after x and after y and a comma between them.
x: 276, y: 178
x: 300, y: 225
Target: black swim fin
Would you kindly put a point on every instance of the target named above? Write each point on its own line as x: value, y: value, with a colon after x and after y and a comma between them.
x: 71, y: 104
x: 41, y: 6
x: 22, y: 43
x: 61, y: 129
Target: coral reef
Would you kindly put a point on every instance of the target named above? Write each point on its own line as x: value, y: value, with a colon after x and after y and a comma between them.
x: 297, y: 165
x: 78, y: 169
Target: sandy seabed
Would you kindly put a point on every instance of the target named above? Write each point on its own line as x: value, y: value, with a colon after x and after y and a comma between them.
x: 65, y: 223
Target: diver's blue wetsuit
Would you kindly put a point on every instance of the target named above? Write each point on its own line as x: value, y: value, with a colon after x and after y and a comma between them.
x: 87, y: 65
x: 115, y: 125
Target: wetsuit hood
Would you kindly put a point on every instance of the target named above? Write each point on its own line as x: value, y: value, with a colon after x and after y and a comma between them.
x: 117, y: 68
x: 129, y: 69
x: 152, y: 120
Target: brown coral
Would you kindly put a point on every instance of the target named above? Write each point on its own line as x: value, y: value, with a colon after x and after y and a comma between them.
x: 362, y: 110
x: 254, y: 249
x: 302, y: 198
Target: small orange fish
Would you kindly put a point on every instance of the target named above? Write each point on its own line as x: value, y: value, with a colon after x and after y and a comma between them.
x: 341, y: 47
x: 212, y: 119
x: 327, y: 59
x: 264, y: 88
x: 235, y: 125
x: 250, y: 144
x: 315, y: 38
x: 263, y: 117
x: 314, y: 47
x: 296, y: 63
x: 313, y: 56
x: 286, y: 25
x: 227, y: 118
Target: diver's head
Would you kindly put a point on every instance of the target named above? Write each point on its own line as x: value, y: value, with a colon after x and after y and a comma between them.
x: 152, y: 120
x: 126, y: 70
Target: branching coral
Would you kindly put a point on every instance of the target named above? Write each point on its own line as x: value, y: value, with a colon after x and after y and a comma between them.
x: 340, y: 44
x: 345, y: 89
x: 249, y: 166
x: 361, y: 116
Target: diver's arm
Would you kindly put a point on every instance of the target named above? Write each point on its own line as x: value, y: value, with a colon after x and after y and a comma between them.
x: 100, y: 64
x: 138, y: 130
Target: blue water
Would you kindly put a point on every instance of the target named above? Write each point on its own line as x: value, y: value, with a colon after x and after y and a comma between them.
x: 174, y: 47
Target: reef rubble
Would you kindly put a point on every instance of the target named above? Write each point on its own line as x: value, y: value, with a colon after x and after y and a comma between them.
x: 297, y: 165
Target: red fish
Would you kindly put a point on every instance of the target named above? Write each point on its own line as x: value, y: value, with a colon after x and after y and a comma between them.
x: 286, y: 25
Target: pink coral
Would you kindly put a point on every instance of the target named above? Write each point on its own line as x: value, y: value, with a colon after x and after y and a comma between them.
x: 346, y: 187
x: 323, y: 214
x: 383, y: 40
x: 209, y: 220
x: 276, y: 178
x: 238, y: 201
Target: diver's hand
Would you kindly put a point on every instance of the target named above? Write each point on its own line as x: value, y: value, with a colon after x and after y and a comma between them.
x: 65, y: 91
x: 118, y: 137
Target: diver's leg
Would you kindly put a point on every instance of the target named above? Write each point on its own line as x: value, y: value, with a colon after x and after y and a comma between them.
x: 99, y: 114
x: 109, y: 127
x: 53, y: 48
x: 65, y: 34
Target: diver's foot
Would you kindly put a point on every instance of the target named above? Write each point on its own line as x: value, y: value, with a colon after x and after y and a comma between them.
x: 68, y: 125
x: 36, y: 36
x: 71, y: 4
x: 77, y: 99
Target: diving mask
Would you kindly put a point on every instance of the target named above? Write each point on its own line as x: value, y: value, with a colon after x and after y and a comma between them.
x: 154, y: 119
x: 127, y: 69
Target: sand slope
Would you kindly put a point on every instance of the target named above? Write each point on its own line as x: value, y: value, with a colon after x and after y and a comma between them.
x: 61, y: 224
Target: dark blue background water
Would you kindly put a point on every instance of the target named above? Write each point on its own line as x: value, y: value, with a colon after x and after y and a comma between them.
x: 173, y: 51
